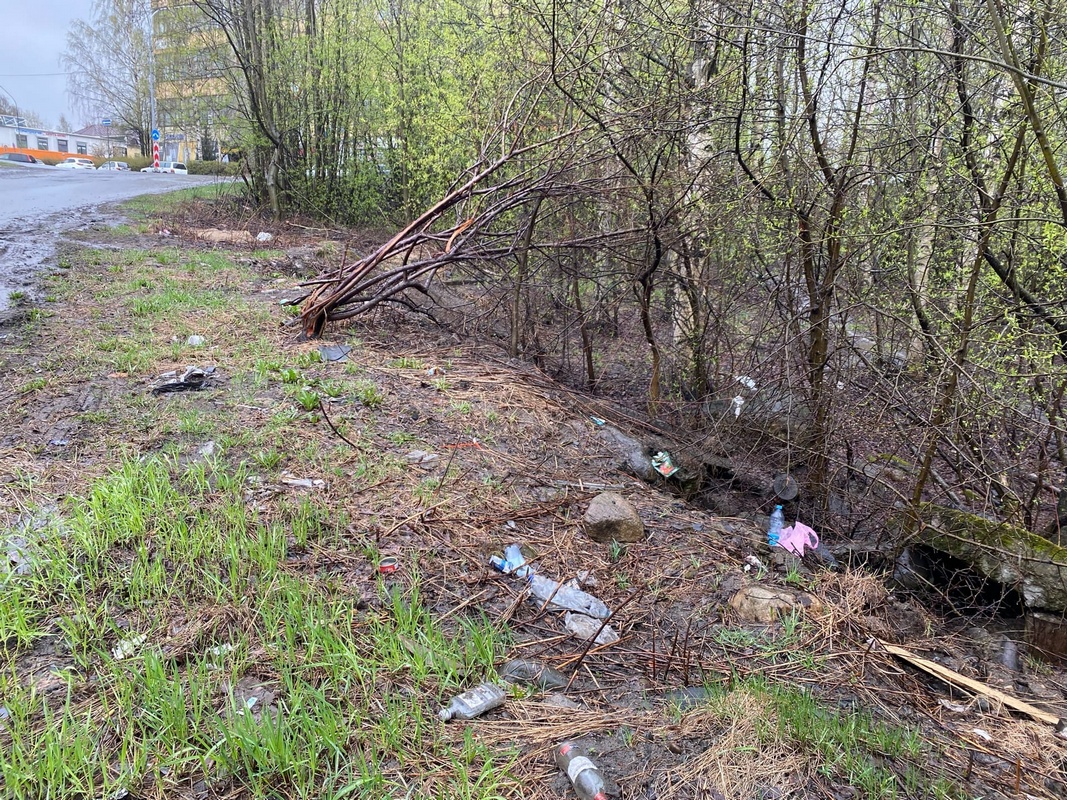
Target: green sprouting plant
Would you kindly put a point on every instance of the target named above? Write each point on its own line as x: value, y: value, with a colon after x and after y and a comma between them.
x: 616, y: 550
x: 308, y: 358
x: 308, y: 399
x: 406, y: 362
x: 369, y: 394
x: 290, y: 375
x: 268, y: 459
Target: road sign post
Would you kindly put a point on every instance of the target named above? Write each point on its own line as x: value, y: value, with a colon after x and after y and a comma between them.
x: 155, y: 154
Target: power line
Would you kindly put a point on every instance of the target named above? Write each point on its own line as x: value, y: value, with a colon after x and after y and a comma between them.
x: 37, y: 74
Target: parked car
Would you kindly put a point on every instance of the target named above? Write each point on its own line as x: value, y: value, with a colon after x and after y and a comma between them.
x: 76, y: 163
x: 22, y: 159
x: 121, y: 166
x: 172, y: 167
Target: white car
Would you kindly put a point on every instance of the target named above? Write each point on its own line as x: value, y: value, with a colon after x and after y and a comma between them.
x: 76, y: 163
x: 119, y: 166
x: 171, y: 167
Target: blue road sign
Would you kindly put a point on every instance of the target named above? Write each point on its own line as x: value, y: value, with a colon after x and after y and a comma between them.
x: 155, y: 135
x: 106, y: 122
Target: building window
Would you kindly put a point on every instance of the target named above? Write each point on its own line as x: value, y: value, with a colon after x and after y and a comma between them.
x: 61, y: 145
x: 83, y: 149
x: 20, y: 140
x: 42, y: 142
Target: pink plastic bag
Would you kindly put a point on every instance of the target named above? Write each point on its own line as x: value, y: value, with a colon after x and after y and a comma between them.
x: 798, y: 536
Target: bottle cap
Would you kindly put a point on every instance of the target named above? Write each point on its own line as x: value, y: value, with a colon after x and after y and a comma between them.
x: 445, y: 714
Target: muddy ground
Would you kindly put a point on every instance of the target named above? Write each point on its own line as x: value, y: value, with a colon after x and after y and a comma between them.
x: 515, y: 456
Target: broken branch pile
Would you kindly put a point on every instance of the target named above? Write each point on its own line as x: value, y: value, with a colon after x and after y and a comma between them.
x: 485, y: 231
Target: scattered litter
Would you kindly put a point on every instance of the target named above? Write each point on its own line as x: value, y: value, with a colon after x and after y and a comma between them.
x: 193, y: 379
x: 662, y: 463
x: 554, y: 595
x: 736, y: 403
x: 582, y: 773
x: 557, y: 700
x: 388, y: 564
x: 747, y: 382
x: 473, y: 702
x: 785, y: 486
x: 774, y: 526
x: 688, y: 696
x: 796, y: 537
x: 5, y: 715
x: 249, y: 704
x: 217, y: 653
x: 165, y: 233
x: 753, y: 563
x: 59, y: 442
x: 565, y: 597
x: 195, y: 340
x: 422, y: 459
x: 207, y: 449
x: 128, y: 646
x: 263, y: 236
x: 534, y: 673
x: 981, y: 734
x: 587, y: 578
x: 335, y: 352
x: 955, y: 708
x: 289, y: 479
x: 513, y: 562
x: 599, y: 422
x: 511, y: 524
x: 435, y: 371
x: 588, y: 629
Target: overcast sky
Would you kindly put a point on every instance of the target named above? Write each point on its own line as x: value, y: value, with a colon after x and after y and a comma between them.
x: 33, y: 35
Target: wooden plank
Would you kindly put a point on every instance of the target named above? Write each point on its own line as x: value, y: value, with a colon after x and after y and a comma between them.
x: 969, y: 684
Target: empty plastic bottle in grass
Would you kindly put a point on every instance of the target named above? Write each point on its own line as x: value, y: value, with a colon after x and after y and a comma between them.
x: 774, y: 530
x: 565, y: 597
x: 473, y: 702
x: 583, y: 773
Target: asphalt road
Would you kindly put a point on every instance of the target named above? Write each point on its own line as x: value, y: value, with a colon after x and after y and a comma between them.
x: 38, y: 204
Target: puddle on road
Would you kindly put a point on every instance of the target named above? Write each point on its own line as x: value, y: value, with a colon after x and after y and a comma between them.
x: 27, y: 252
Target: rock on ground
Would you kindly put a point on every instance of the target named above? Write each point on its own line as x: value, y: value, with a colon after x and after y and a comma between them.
x: 766, y: 604
x: 611, y: 517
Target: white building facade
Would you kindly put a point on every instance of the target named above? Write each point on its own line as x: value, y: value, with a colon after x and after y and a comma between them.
x: 14, y: 135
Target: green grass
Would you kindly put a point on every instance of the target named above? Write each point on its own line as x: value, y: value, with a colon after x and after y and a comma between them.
x: 153, y: 536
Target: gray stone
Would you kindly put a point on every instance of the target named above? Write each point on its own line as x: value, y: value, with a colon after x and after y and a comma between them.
x: 611, y: 517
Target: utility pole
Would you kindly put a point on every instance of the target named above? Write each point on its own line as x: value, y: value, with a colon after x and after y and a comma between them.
x: 152, y: 9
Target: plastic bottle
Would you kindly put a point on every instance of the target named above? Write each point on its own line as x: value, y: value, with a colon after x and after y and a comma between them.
x: 522, y: 670
x: 774, y: 530
x: 583, y: 774
x: 473, y: 702
x: 565, y: 597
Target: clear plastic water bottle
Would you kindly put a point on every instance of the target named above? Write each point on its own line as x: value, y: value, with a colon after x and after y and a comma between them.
x: 473, y: 702
x: 583, y: 773
x: 774, y: 530
x: 566, y: 597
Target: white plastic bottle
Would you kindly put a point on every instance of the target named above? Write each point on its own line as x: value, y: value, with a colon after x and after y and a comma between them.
x: 565, y: 597
x: 774, y: 530
x: 583, y: 773
x: 473, y: 702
